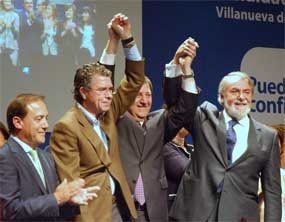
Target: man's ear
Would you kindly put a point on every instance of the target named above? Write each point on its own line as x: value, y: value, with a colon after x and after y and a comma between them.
x: 18, y: 122
x: 83, y: 92
x: 222, y: 99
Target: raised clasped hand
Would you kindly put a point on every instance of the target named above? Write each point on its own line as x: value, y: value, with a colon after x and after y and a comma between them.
x: 121, y: 25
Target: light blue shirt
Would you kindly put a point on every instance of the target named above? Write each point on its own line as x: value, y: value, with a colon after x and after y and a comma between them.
x: 241, y: 129
x: 96, y: 126
x: 132, y: 54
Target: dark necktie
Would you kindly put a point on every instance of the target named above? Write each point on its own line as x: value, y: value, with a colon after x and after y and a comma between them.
x: 231, y: 139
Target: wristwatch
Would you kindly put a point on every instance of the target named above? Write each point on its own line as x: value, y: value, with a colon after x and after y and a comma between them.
x: 191, y: 75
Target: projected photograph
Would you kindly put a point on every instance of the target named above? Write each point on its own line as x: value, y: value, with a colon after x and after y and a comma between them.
x: 42, y: 31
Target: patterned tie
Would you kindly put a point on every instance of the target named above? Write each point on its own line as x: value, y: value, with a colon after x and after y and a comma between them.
x: 231, y: 139
x: 37, y: 164
x: 139, y: 191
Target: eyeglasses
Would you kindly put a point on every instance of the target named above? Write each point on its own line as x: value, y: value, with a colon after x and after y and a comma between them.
x: 104, y: 91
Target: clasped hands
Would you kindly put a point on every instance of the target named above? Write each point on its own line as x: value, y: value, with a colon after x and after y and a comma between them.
x: 185, y: 55
x: 74, y: 192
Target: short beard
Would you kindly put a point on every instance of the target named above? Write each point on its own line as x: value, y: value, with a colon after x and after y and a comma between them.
x: 233, y: 112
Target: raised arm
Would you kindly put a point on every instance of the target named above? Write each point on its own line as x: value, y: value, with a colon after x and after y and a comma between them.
x: 180, y: 91
x: 181, y: 64
x: 134, y: 71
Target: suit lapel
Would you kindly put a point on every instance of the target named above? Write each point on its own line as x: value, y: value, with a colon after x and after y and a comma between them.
x: 48, y: 172
x: 221, y: 135
x: 21, y: 156
x: 216, y: 137
x: 138, y: 134
x: 93, y: 138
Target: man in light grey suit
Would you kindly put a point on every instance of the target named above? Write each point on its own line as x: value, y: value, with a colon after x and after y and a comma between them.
x: 142, y: 135
x: 221, y: 182
x: 29, y: 189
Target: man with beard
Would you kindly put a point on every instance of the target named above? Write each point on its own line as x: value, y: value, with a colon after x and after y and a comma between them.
x: 232, y: 151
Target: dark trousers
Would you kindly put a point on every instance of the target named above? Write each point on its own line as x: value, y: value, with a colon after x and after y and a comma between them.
x: 215, y: 212
x: 116, y: 215
x: 142, y: 213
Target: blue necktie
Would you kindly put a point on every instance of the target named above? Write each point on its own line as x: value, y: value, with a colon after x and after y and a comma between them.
x: 231, y: 139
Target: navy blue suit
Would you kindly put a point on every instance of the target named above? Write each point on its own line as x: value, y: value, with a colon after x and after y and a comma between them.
x: 22, y: 192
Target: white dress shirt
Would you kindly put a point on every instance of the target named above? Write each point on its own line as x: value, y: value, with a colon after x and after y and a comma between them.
x: 188, y: 84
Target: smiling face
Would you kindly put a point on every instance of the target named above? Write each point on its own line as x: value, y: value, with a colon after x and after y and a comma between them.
x: 32, y: 128
x: 236, y: 97
x: 69, y: 13
x: 142, y: 104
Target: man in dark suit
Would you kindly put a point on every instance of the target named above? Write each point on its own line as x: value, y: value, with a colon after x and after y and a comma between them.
x: 84, y: 142
x: 232, y: 151
x: 142, y: 135
x: 30, y: 41
x: 29, y: 189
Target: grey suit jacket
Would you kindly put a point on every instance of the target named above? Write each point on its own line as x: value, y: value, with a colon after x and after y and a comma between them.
x: 197, y: 194
x: 22, y: 192
x: 141, y: 151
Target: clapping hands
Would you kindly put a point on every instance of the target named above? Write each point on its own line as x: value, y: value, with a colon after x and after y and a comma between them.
x: 84, y: 195
x: 75, y: 192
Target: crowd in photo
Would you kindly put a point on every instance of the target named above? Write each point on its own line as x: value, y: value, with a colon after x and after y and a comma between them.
x: 29, y: 29
x: 111, y: 158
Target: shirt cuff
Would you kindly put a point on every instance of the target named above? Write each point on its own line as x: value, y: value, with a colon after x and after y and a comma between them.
x: 133, y: 53
x: 107, y: 59
x: 189, y: 85
x: 172, y: 70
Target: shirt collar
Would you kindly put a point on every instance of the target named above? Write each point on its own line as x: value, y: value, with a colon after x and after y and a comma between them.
x: 25, y: 146
x: 90, y: 117
x: 243, y: 122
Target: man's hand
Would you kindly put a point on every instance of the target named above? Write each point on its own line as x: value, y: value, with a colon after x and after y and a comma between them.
x: 111, y: 33
x: 65, y: 190
x: 85, y: 195
x: 121, y: 26
x: 185, y: 63
x: 186, y: 49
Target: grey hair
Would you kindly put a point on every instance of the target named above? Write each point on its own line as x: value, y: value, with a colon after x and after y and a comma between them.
x: 228, y: 78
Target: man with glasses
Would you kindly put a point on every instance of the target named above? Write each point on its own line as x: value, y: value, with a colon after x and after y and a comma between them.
x: 85, y: 142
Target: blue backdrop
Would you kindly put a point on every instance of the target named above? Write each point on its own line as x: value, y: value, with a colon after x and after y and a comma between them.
x: 223, y: 36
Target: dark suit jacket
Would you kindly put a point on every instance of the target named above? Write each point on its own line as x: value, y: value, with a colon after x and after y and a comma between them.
x: 30, y: 41
x: 197, y: 193
x: 22, y: 192
x: 141, y: 151
x: 79, y: 152
x: 176, y: 161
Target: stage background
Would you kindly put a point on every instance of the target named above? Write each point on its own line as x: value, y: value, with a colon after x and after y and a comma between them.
x: 233, y: 35
x: 53, y: 77
x: 242, y: 35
